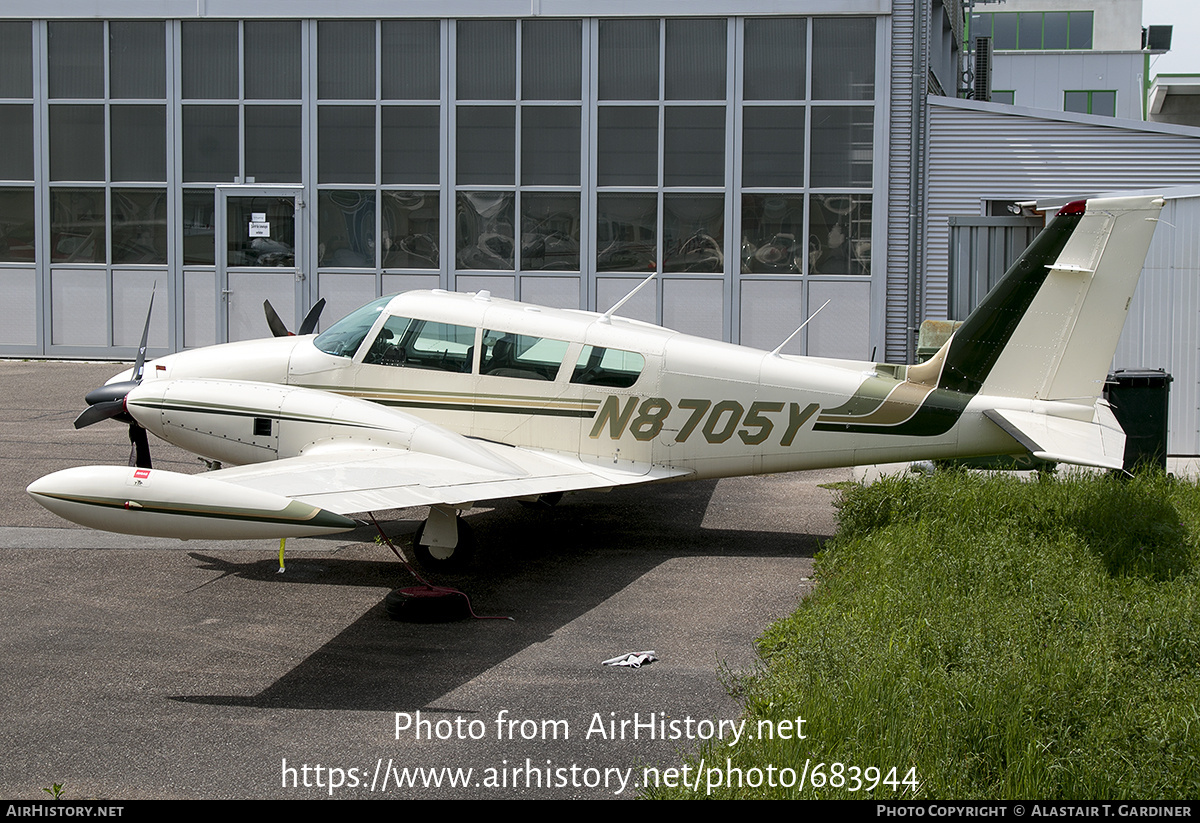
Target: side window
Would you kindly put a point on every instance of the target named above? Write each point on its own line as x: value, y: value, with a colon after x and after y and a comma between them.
x: 386, y: 351
x: 518, y: 355
x: 607, y: 367
x: 441, y: 346
x: 422, y: 344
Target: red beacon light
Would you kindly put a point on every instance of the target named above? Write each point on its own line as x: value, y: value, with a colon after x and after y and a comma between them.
x: 1076, y: 207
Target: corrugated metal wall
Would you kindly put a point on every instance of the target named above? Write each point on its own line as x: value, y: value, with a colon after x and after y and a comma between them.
x: 1162, y: 331
x: 988, y: 151
x: 1031, y: 156
x: 902, y: 120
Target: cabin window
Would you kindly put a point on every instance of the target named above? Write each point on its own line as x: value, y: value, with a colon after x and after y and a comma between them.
x: 518, y: 355
x: 607, y: 367
x: 422, y: 344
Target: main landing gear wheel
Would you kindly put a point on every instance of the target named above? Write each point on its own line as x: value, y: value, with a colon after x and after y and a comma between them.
x: 446, y: 559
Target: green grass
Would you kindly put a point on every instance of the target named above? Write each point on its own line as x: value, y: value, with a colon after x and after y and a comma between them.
x: 1004, y: 638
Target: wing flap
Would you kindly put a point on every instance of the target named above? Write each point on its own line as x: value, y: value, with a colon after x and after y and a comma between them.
x: 1098, y: 442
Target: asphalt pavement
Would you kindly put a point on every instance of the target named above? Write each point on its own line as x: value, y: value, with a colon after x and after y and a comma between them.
x: 146, y: 668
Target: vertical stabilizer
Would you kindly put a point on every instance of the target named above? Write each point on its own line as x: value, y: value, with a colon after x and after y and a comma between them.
x: 1049, y: 329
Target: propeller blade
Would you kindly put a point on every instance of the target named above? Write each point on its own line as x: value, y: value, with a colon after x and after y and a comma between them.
x: 139, y: 365
x: 139, y: 452
x: 310, y: 320
x: 278, y: 329
x: 100, y: 411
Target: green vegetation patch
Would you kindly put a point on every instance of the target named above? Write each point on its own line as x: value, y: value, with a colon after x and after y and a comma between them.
x: 1003, y: 638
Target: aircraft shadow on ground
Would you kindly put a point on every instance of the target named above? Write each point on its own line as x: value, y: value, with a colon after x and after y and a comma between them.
x: 543, y: 567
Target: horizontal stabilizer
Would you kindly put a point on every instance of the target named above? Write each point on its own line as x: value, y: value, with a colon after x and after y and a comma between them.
x: 1097, y: 442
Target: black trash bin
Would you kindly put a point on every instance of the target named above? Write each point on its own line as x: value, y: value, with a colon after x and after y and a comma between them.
x: 1139, y: 401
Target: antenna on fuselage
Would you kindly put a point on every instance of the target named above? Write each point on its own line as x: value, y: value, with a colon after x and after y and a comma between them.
x: 797, y: 331
x: 607, y: 318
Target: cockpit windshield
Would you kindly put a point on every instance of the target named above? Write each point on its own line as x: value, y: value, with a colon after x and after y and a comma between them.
x: 343, y: 338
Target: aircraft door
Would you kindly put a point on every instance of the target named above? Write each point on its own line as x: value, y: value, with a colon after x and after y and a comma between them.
x: 259, y: 251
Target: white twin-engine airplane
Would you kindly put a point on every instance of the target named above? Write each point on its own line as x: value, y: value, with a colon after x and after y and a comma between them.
x: 440, y: 400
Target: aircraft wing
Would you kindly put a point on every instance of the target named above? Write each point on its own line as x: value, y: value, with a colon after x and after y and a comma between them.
x: 349, y: 478
x: 1097, y: 442
x: 344, y: 455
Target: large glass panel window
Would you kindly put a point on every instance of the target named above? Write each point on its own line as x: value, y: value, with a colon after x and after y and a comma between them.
x: 484, y: 222
x: 273, y: 144
x: 411, y: 144
x: 550, y: 143
x: 16, y: 226
x: 776, y: 58
x: 628, y: 146
x: 487, y: 59
x: 693, y: 232
x: 139, y: 143
x: 842, y: 146
x: 16, y: 142
x: 16, y: 44
x: 773, y: 146
x: 210, y: 144
x: 551, y: 59
x: 77, y: 142
x: 628, y: 60
x: 695, y: 64
x: 346, y: 229
x: 199, y: 228
x: 410, y: 230
x: 346, y: 144
x: 77, y: 219
x: 840, y: 234
x: 549, y: 231
x: 843, y: 58
x: 139, y: 226
x: 346, y: 59
x: 694, y: 146
x: 210, y: 55
x: 411, y: 57
x: 486, y: 145
x: 272, y: 58
x: 75, y: 58
x: 137, y: 59
x: 773, y: 236
x: 626, y: 232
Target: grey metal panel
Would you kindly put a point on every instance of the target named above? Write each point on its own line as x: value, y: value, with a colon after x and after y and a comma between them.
x: 695, y: 306
x: 984, y: 151
x: 642, y: 306
x: 1162, y: 330
x: 199, y: 308
x: 901, y: 168
x: 559, y: 292
x: 78, y: 298
x: 18, y: 295
x: 396, y: 283
x: 840, y: 330
x: 131, y: 294
x: 771, y: 310
x: 343, y: 294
